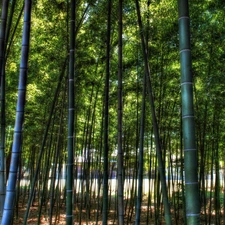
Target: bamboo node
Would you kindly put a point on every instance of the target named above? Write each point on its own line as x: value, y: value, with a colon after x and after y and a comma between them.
x: 190, y: 149
x: 184, y: 17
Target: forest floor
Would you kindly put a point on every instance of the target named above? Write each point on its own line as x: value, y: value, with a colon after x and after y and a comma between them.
x: 129, y: 217
x: 82, y: 217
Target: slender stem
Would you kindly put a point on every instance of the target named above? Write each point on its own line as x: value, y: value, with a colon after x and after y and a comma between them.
x: 119, y: 113
x: 17, y: 141
x: 161, y: 166
x: 34, y: 180
x: 2, y: 100
x: 106, y: 121
x: 70, y: 156
x: 141, y: 157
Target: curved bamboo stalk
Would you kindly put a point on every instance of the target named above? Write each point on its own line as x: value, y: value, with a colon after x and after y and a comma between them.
x: 44, y: 142
x: 17, y: 143
x: 154, y: 122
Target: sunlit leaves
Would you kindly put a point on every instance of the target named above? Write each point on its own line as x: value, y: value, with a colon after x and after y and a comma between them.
x: 49, y: 47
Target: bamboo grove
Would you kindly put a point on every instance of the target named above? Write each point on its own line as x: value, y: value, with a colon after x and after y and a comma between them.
x: 111, y: 112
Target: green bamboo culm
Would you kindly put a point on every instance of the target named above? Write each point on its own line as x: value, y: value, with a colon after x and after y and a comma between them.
x: 106, y: 121
x: 17, y: 139
x: 161, y: 164
x: 141, y: 156
x: 4, y: 14
x: 120, y: 117
x: 43, y: 144
x: 70, y: 156
x: 190, y: 154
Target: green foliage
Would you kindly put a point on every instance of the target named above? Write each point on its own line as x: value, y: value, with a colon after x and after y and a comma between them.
x: 50, y: 47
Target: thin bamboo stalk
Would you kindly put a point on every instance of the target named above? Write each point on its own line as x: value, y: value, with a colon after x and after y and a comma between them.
x: 141, y: 157
x: 70, y: 148
x: 16, y: 150
x: 106, y: 120
x: 119, y: 115
x: 34, y: 180
x: 4, y: 12
x: 161, y: 166
x: 45, y: 176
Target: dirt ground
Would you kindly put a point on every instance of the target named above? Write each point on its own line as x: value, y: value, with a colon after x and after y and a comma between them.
x: 61, y: 218
x: 81, y: 218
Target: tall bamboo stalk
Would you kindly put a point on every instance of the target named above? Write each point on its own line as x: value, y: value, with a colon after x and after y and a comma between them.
x: 2, y: 101
x: 42, y: 148
x: 141, y: 157
x: 99, y: 159
x: 87, y: 154
x: 17, y: 142
x: 161, y: 166
x: 106, y: 120
x: 45, y: 175
x: 70, y: 147
x: 119, y: 113
x: 9, y: 23
x: 12, y: 36
x: 190, y: 155
x: 217, y: 168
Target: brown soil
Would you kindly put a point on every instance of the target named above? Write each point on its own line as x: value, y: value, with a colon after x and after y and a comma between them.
x: 112, y: 218
x: 61, y: 218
